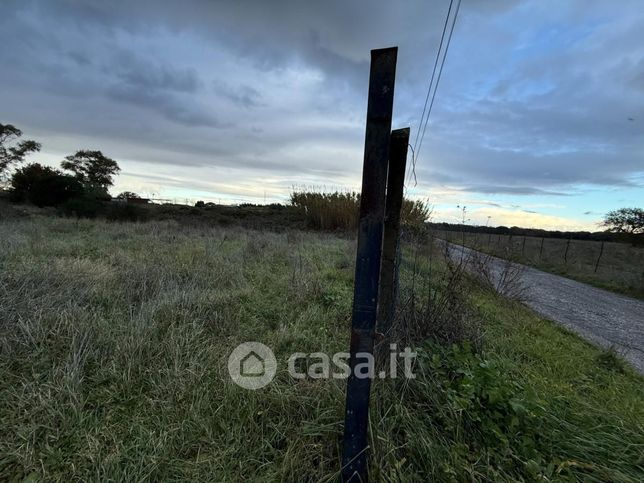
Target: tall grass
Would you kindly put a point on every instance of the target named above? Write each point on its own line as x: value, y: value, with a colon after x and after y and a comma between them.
x: 340, y: 210
x: 114, y: 339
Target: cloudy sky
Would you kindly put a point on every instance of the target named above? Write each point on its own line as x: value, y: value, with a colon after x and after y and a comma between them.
x: 538, y: 120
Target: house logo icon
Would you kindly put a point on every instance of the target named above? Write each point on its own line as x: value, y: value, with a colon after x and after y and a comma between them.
x: 252, y: 365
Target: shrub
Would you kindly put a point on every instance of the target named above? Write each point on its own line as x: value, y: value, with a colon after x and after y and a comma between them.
x: 82, y: 207
x: 341, y: 210
x: 472, y: 395
x: 125, y: 212
x: 44, y: 186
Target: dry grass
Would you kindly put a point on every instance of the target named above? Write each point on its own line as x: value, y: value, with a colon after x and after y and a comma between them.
x: 340, y: 210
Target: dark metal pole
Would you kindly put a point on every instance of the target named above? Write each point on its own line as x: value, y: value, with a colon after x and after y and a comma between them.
x: 365, y: 296
x: 389, y: 267
x: 601, y: 252
x: 566, y: 253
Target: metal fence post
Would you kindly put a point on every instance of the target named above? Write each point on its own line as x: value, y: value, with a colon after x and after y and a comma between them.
x: 389, y: 266
x: 601, y: 252
x: 365, y: 297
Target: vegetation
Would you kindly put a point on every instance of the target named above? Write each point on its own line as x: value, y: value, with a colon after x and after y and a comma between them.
x: 128, y: 195
x: 618, y: 267
x: 340, y: 210
x: 80, y: 194
x: 115, y: 338
x: 92, y: 168
x: 12, y: 152
x: 625, y: 220
x: 44, y: 186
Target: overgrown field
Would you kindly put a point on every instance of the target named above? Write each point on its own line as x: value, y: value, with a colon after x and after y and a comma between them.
x: 114, y: 340
x: 618, y: 267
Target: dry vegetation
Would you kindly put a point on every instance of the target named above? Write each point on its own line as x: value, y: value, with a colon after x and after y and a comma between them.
x: 340, y: 210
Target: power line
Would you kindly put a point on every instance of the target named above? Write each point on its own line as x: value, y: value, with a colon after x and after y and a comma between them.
x: 412, y: 172
x: 440, y: 72
x: 418, y: 143
x: 431, y: 81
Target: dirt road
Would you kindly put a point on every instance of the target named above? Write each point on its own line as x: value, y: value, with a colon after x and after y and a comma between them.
x: 601, y: 317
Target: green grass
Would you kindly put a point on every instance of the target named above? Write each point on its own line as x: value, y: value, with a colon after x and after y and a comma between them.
x: 620, y: 268
x: 114, y: 341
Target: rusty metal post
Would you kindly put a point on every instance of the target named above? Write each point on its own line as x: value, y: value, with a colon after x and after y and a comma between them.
x: 365, y: 296
x: 389, y: 265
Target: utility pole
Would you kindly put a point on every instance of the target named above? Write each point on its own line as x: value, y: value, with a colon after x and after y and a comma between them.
x: 370, y: 231
x: 389, y: 268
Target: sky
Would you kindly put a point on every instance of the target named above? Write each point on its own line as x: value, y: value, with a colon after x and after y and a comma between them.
x: 538, y: 119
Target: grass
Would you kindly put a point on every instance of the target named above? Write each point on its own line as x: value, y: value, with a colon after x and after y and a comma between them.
x: 620, y: 268
x: 114, y: 343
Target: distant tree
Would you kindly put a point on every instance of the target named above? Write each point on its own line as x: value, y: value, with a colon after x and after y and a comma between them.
x: 127, y: 195
x: 44, y: 186
x: 13, y: 154
x: 625, y: 220
x: 93, y: 169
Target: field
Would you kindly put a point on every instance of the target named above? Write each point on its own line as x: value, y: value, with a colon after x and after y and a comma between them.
x: 620, y: 267
x: 115, y: 338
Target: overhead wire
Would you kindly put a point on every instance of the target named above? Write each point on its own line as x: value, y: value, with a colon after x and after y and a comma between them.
x: 424, y: 119
x: 438, y: 79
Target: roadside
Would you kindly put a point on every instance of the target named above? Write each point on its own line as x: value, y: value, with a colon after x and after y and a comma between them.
x: 606, y: 319
x: 610, y: 265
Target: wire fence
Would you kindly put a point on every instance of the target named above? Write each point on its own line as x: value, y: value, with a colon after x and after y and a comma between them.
x: 614, y: 265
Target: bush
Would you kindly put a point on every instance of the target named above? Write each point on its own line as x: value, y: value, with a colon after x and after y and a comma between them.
x: 125, y: 212
x: 82, y: 207
x: 44, y: 186
x: 333, y: 211
x: 472, y: 395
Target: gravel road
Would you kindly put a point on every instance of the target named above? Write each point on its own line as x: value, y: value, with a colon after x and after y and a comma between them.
x: 601, y: 317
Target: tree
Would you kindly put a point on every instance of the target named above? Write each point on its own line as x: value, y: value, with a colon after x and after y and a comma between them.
x: 128, y: 195
x: 13, y: 154
x: 44, y: 186
x: 625, y: 220
x: 92, y: 168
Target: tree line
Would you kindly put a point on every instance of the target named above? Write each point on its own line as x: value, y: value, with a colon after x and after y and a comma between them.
x: 81, y: 183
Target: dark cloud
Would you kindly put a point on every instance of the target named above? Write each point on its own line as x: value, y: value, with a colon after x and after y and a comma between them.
x: 242, y: 95
x: 138, y: 73
x: 536, y: 97
x: 171, y: 107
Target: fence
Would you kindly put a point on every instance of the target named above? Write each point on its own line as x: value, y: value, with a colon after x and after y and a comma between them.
x: 613, y: 265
